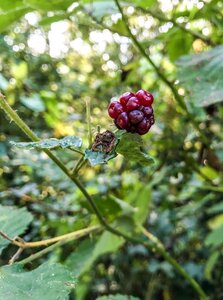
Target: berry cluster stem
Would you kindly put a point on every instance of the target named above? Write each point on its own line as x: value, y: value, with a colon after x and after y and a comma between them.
x: 161, y: 250
x: 88, y: 113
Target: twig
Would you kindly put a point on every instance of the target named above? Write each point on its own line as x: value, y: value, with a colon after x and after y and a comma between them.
x: 76, y: 150
x: 15, y: 256
x: 49, y: 249
x: 24, y: 245
x: 88, y: 113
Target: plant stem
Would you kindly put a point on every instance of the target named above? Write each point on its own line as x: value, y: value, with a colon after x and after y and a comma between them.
x: 13, y: 116
x: 71, y: 235
x: 161, y: 250
x: 57, y: 244
x: 88, y: 112
x: 77, y: 151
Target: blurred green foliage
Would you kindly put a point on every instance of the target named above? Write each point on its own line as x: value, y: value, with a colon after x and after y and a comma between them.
x: 55, y: 56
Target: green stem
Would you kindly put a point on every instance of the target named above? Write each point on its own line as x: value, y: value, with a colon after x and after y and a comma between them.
x: 162, y: 251
x: 77, y: 151
x: 19, y: 122
x: 88, y: 112
x: 46, y: 250
x: 161, y: 75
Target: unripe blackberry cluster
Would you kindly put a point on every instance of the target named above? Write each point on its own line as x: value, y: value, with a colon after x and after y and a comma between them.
x: 133, y: 112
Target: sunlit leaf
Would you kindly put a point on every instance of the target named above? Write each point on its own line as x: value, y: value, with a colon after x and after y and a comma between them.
x: 11, y: 16
x: 7, y: 5
x: 144, y: 3
x: 120, y: 27
x: 49, y: 5
x: 50, y: 20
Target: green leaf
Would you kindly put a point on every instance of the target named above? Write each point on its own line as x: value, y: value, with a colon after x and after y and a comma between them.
x: 77, y: 261
x: 125, y: 207
x: 49, y: 20
x: 215, y: 238
x: 20, y: 70
x: 53, y: 5
x: 178, y: 43
x: 111, y: 207
x: 70, y: 141
x: 11, y: 5
x: 35, y: 103
x: 201, y: 76
x: 210, y: 264
x: 13, y: 222
x: 130, y: 146
x: 66, y: 142
x: 215, y: 208
x: 49, y: 281
x: 107, y: 243
x: 140, y: 198
x: 144, y: 3
x: 11, y: 16
x: 120, y: 28
x: 118, y: 297
x: 98, y: 158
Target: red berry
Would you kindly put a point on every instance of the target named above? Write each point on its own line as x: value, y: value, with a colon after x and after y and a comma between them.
x: 125, y: 97
x: 115, y: 109
x: 144, y: 126
x: 136, y: 116
x: 145, y: 97
x: 123, y: 121
x: 148, y: 111
x: 133, y: 103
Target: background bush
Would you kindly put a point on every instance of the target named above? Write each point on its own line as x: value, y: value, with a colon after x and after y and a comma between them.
x: 57, y: 55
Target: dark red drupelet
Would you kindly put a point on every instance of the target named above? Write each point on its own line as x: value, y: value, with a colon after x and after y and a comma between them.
x: 133, y: 103
x: 125, y: 97
x: 115, y: 109
x: 146, y: 99
x: 133, y: 112
x: 136, y: 116
x: 144, y: 126
x: 123, y: 121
